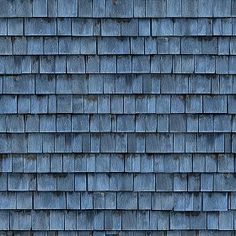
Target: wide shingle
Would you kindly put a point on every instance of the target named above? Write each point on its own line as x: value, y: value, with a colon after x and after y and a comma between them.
x: 214, y: 201
x: 26, y: 182
x: 214, y: 104
x: 155, y: 8
x: 45, y: 200
x: 164, y: 182
x: 127, y: 201
x: 112, y: 220
x: 145, y: 182
x: 19, y: 85
x: 42, y: 26
x: 119, y: 9
x: 173, y: 8
x: 20, y: 220
x: 40, y: 220
x: 73, y: 200
x: 8, y: 104
x: 66, y: 9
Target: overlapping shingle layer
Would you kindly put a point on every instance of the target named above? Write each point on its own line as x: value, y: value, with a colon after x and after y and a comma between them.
x: 118, y: 117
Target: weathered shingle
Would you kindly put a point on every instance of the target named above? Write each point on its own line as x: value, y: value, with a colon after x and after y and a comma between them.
x: 26, y: 182
x: 155, y: 8
x: 35, y: 26
x: 24, y: 200
x: 215, y: 201
x: 162, y: 27
x: 20, y: 220
x: 112, y: 220
x: 45, y: 200
x: 119, y: 9
x: 66, y: 9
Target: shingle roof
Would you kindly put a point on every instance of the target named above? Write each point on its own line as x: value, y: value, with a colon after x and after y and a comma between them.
x: 117, y: 117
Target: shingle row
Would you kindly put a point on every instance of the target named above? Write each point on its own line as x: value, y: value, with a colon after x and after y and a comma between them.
x: 117, y: 45
x: 177, y: 201
x: 130, y: 163
x: 113, y: 220
x: 118, y: 84
x: 117, y: 104
x: 117, y: 143
x: 177, y: 123
x: 117, y: 27
x: 118, y: 9
x: 208, y: 232
x: 164, y: 64
x: 122, y: 182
